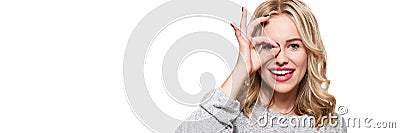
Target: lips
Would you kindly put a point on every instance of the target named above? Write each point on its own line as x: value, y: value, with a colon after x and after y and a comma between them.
x: 282, y: 74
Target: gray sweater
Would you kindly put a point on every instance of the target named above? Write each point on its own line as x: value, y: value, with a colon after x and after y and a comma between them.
x: 220, y: 113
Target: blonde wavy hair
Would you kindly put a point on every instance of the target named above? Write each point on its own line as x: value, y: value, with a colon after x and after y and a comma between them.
x: 311, y: 99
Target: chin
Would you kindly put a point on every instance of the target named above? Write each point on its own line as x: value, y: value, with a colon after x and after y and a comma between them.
x: 283, y: 88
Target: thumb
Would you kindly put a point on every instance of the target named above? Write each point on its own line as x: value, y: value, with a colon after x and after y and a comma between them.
x: 276, y: 49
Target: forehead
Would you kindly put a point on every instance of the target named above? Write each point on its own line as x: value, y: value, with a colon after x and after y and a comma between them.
x: 281, y: 27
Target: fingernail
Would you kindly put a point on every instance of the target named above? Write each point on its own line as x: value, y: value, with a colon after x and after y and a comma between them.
x: 266, y: 15
x: 278, y: 44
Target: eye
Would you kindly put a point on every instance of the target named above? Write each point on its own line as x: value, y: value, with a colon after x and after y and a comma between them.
x: 266, y: 46
x: 294, y: 46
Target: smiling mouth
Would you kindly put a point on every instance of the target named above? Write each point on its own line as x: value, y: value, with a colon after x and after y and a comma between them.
x: 281, y: 71
x: 282, y: 74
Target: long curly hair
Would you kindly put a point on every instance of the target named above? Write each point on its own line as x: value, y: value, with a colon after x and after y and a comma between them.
x: 312, y: 99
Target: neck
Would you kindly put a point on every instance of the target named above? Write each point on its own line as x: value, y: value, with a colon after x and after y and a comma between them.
x: 284, y: 102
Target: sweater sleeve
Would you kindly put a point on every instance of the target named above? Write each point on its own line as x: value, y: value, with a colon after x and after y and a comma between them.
x: 216, y: 114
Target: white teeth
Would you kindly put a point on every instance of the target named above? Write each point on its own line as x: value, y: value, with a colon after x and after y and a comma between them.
x: 280, y: 72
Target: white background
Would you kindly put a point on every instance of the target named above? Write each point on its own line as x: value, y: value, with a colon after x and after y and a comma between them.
x: 61, y: 62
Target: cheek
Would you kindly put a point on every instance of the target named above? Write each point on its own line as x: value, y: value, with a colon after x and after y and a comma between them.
x: 299, y: 59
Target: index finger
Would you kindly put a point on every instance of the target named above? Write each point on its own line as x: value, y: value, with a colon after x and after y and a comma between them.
x: 253, y: 24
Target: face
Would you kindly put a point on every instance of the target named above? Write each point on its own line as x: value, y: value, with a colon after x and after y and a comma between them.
x: 288, y: 68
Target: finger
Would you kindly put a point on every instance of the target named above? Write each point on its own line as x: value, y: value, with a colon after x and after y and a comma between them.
x: 276, y: 49
x: 255, y: 24
x: 275, y: 44
x: 243, y: 21
x: 238, y: 35
x: 236, y: 29
x: 260, y: 40
x: 266, y: 48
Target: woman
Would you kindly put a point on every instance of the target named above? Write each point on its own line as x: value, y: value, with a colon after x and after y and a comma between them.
x: 279, y: 82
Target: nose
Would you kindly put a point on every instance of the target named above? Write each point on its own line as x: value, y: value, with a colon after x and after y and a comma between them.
x: 281, y: 58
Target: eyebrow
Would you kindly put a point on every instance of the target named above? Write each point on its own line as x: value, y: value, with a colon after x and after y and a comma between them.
x: 293, y: 39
